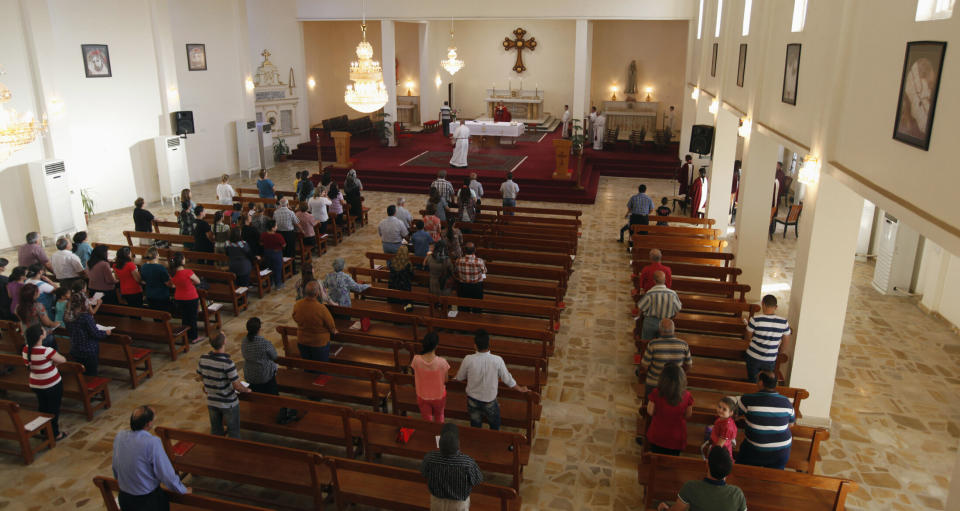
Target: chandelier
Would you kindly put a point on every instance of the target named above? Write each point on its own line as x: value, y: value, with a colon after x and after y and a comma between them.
x: 368, y: 92
x: 16, y: 130
x: 452, y: 64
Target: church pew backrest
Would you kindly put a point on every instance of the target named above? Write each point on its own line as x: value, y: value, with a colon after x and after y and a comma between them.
x: 794, y: 394
x: 704, y: 271
x: 541, y: 339
x: 367, y: 351
x: 495, y: 285
x: 171, y: 238
x: 499, y: 267
x: 656, y: 241
x: 538, y: 366
x: 222, y: 286
x: 298, y: 376
x: 514, y: 243
x: 673, y: 230
x: 11, y: 340
x: 521, y: 210
x: 145, y: 325
x: 109, y: 490
x: 317, y: 422
x: 116, y: 351
x: 12, y: 421
x: 686, y: 220
x: 92, y: 392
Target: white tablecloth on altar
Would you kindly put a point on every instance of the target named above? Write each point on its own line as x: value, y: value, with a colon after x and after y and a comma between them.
x: 496, y: 129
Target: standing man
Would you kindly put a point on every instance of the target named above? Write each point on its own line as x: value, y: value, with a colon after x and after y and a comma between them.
x: 648, y: 271
x: 599, y: 130
x: 66, y: 265
x: 565, y: 119
x: 461, y: 141
x: 476, y: 186
x: 286, y: 225
x: 445, y: 118
x: 668, y: 117
x: 222, y: 386
x: 32, y: 253
x: 685, y: 175
x: 639, y: 208
x: 698, y: 209
x: 483, y: 371
x: 402, y: 212
x: 444, y: 187
x: 140, y: 465
x: 768, y: 416
x: 450, y: 474
x: 591, y: 119
x: 662, y: 351
x: 471, y: 270
x: 509, y: 191
x: 657, y: 304
x: 315, y: 325
x: 712, y: 492
x: 767, y: 334
x: 392, y: 231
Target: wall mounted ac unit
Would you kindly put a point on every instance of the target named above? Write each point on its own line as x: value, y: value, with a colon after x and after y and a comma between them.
x: 248, y: 154
x: 51, y: 194
x: 896, y: 255
x: 171, y: 166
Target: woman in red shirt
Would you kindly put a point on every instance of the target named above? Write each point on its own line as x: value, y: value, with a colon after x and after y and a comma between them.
x: 431, y: 222
x: 273, y: 244
x: 44, y: 376
x: 185, y: 295
x: 669, y: 406
x: 129, y: 276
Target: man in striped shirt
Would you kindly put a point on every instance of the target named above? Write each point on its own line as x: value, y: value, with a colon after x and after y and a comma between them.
x: 450, y: 474
x: 768, y: 416
x: 767, y: 333
x: 660, y: 352
x: 656, y: 304
x: 221, y: 384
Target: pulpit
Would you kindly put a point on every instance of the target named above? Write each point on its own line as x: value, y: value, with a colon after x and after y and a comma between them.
x: 341, y: 142
x: 561, y: 151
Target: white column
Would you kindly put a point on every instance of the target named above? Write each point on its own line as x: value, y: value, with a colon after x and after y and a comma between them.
x: 688, y: 118
x: 388, y: 45
x: 821, y: 286
x: 720, y: 174
x: 166, y: 63
x: 760, y: 154
x: 428, y: 107
x: 581, y: 70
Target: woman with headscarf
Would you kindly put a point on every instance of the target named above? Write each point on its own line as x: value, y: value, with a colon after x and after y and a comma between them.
x: 339, y: 284
x: 351, y: 190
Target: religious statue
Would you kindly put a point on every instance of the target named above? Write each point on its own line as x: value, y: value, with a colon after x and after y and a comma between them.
x: 631, y: 78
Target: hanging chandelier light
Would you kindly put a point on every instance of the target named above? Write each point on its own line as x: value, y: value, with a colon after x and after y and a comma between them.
x: 16, y: 130
x: 452, y: 64
x: 368, y: 93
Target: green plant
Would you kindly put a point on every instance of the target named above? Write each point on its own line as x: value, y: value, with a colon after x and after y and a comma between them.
x: 383, y: 127
x: 280, y: 148
x: 86, y: 199
x: 577, y: 137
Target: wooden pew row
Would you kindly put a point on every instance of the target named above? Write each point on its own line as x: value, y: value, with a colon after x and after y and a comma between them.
x: 530, y: 372
x: 146, y: 325
x: 494, y: 268
x: 529, y: 232
x: 707, y: 391
x: 526, y: 257
x: 522, y: 211
x: 13, y: 420
x: 765, y: 489
x: 641, y: 254
x: 686, y: 220
x: 643, y: 243
x: 324, y: 423
x: 336, y: 382
x: 110, y: 489
x: 510, y: 243
x: 673, y: 230
x: 91, y: 392
x: 696, y: 270
x: 252, y: 195
x: 714, y: 346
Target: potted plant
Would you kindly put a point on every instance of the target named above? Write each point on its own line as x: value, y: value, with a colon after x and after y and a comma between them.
x: 383, y: 128
x: 280, y: 150
x: 86, y: 199
x: 577, y: 138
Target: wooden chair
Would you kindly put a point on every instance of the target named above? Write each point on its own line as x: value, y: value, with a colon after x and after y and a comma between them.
x: 611, y: 136
x: 793, y: 218
x: 12, y: 428
x: 117, y: 351
x: 636, y: 138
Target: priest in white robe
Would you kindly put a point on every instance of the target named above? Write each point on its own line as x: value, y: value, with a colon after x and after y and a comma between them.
x: 592, y: 118
x: 461, y: 141
x: 565, y: 119
x: 599, y: 129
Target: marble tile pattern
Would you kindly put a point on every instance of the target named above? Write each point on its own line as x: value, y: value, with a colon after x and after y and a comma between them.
x: 894, y: 435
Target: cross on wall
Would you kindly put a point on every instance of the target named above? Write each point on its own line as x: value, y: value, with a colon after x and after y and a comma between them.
x: 519, y: 44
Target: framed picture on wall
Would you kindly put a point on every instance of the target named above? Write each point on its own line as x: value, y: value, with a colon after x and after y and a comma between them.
x: 713, y: 62
x: 919, y: 86
x: 791, y: 74
x: 742, y: 64
x: 197, y: 57
x: 96, y: 60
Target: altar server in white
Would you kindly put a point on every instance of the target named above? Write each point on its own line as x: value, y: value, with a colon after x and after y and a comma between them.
x: 599, y: 129
x: 591, y: 119
x: 461, y: 141
x: 565, y: 119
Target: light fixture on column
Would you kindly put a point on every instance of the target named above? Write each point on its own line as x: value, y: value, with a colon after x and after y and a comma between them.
x: 695, y: 94
x: 368, y: 93
x: 452, y: 64
x: 714, y: 106
x: 248, y: 83
x: 649, y: 91
x: 613, y: 89
x: 311, y: 83
x: 809, y: 172
x: 745, y: 126
x: 16, y: 130
x: 409, y: 85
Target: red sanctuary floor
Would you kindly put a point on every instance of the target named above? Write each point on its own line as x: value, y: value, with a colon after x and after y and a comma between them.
x: 394, y: 168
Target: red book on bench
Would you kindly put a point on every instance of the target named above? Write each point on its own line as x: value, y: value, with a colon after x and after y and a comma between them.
x: 322, y: 380
x: 182, y: 448
x: 637, y: 358
x: 403, y: 436
x: 364, y: 324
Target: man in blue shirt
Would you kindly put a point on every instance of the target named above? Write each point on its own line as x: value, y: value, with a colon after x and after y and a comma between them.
x: 140, y: 465
x: 639, y: 208
x: 421, y: 240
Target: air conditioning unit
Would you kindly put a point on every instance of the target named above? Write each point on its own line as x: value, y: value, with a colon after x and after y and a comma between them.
x: 265, y: 145
x: 171, y: 166
x: 248, y: 153
x: 51, y: 194
x: 896, y: 255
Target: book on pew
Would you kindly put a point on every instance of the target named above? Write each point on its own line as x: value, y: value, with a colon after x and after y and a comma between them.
x: 378, y: 267
x: 241, y: 290
x: 106, y: 329
x: 363, y: 325
x: 182, y: 448
x: 36, y: 423
x: 436, y: 438
x: 637, y: 358
x: 264, y: 273
x: 335, y: 349
x: 404, y: 434
x: 452, y: 314
x: 96, y: 296
x: 215, y: 306
x: 355, y: 325
x: 322, y: 380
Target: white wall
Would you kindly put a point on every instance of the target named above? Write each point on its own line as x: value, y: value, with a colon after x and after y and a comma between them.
x: 493, y: 9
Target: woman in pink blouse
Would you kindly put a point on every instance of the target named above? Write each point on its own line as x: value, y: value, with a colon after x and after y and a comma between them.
x: 430, y: 374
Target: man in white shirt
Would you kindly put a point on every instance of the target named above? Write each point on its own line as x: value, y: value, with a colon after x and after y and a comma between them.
x: 483, y: 371
x: 599, y: 131
x: 403, y: 214
x: 565, y: 119
x: 66, y: 265
x: 509, y: 190
x: 392, y: 231
x: 445, y: 118
x: 591, y: 119
x: 476, y: 186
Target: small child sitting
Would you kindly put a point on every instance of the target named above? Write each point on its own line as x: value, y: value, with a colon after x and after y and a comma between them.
x: 663, y: 210
x: 62, y: 295
x: 723, y: 433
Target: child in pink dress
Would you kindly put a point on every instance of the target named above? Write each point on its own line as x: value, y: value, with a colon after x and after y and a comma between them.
x: 430, y: 374
x: 723, y: 433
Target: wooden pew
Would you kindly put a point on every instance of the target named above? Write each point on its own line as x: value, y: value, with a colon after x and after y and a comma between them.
x: 318, y: 422
x: 519, y: 243
x: 345, y: 383
x: 353, y: 348
x: 530, y: 372
x: 139, y: 324
x: 497, y: 451
x: 92, y: 392
x: 765, y: 489
x: 683, y: 220
x: 401, y: 489
x: 517, y: 409
x: 246, y: 462
x: 12, y: 428
x: 678, y: 255
x: 712, y: 346
x: 117, y: 351
x: 11, y: 340
x: 707, y: 391
x: 703, y: 271
x: 523, y: 231
x: 526, y: 256
x: 673, y: 230
x: 641, y: 242
x: 109, y: 490
x: 223, y: 287
x: 532, y: 212
x: 177, y: 239
x: 494, y: 268
x: 540, y: 290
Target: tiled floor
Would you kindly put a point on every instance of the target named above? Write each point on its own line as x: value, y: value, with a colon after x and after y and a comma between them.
x: 893, y: 432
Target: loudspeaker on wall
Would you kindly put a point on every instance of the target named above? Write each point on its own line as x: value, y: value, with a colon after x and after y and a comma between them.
x: 183, y: 122
x: 701, y: 139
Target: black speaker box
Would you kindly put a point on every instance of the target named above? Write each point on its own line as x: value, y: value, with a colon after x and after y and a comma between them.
x: 182, y: 122
x: 701, y: 139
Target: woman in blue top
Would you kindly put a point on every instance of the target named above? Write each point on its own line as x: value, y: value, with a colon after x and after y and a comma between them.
x: 84, y: 334
x: 81, y: 247
x: 265, y: 186
x: 156, y: 282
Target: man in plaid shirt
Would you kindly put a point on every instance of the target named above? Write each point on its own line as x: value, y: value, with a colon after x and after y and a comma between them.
x: 443, y: 186
x: 286, y: 222
x: 471, y: 271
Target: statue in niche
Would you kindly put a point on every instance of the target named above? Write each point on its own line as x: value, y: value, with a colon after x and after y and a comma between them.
x: 631, y: 79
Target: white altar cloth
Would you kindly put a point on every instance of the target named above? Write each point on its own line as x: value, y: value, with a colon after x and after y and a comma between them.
x: 495, y: 129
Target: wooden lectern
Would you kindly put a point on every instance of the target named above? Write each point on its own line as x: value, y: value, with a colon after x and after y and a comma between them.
x: 341, y: 142
x: 561, y: 151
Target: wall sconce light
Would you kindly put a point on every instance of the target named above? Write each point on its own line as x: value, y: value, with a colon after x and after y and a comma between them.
x: 649, y: 91
x: 55, y: 107
x: 248, y: 83
x: 172, y: 94
x: 438, y: 81
x: 745, y: 126
x: 714, y: 106
x: 695, y: 95
x: 613, y: 89
x: 409, y: 85
x: 809, y: 173
x: 311, y: 83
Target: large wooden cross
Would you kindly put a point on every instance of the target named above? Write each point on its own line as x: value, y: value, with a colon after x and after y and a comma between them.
x: 519, y: 44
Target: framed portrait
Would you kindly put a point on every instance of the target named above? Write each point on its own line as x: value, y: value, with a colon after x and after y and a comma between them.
x: 197, y: 57
x: 96, y: 60
x: 741, y: 65
x: 713, y: 62
x: 919, y: 86
x: 791, y: 74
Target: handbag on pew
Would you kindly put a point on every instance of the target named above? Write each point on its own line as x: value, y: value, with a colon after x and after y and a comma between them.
x: 288, y: 415
x: 161, y: 244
